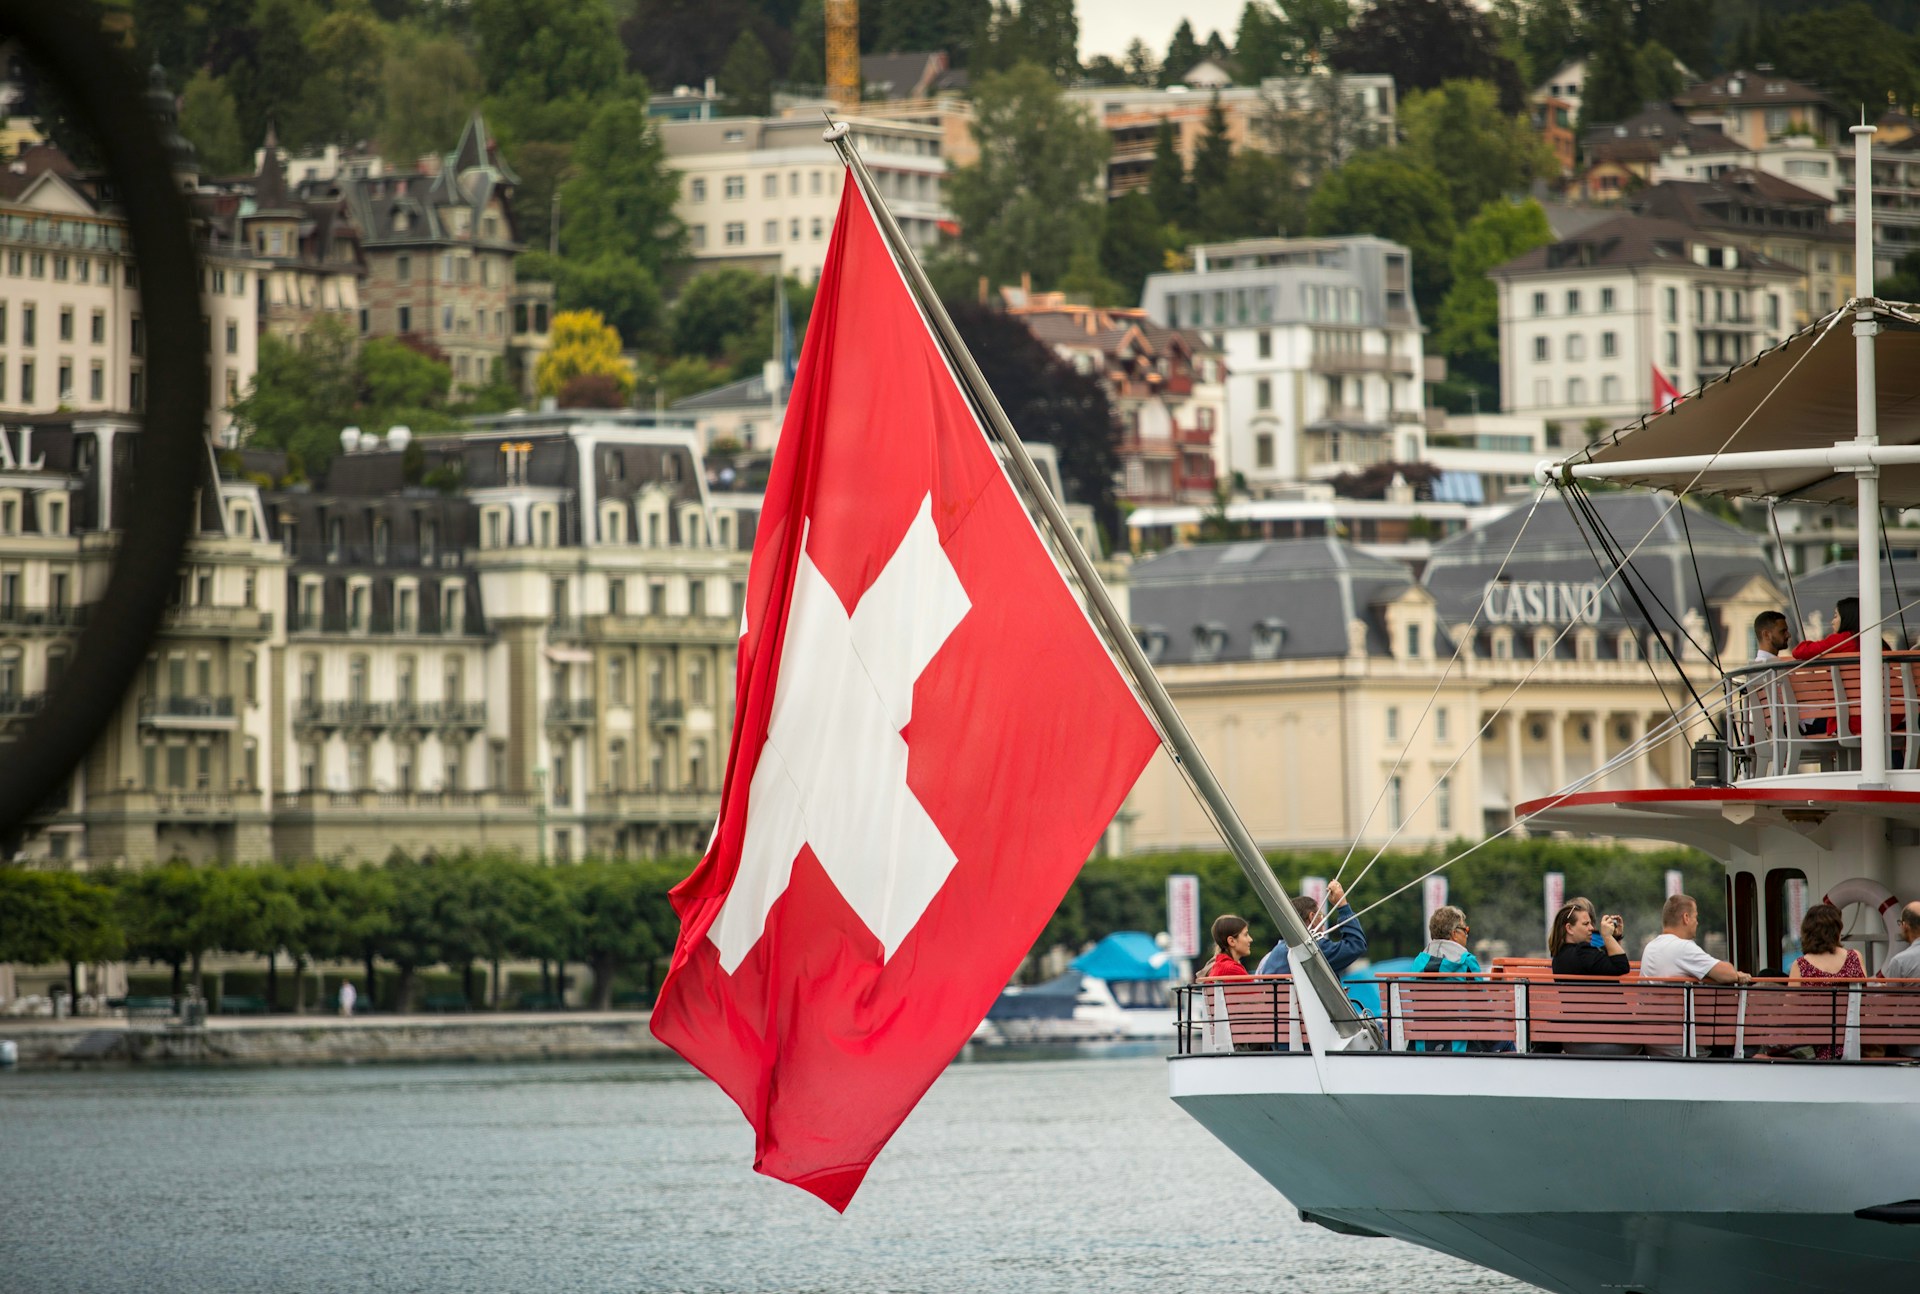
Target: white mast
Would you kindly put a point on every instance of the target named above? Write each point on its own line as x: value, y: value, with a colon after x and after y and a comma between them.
x: 1873, y: 679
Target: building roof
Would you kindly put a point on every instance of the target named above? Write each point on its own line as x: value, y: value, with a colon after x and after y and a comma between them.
x: 1628, y: 242
x: 1650, y: 134
x: 1744, y: 200
x: 1554, y: 550
x: 1304, y: 591
x: 1760, y: 88
x: 908, y: 75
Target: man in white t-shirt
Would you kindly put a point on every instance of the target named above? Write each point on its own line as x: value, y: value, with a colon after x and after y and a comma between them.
x: 1672, y: 954
x: 1772, y: 634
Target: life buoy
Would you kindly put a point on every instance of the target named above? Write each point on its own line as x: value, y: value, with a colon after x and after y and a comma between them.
x: 1876, y: 896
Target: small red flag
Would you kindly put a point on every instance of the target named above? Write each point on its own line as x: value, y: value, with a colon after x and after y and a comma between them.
x: 1665, y: 393
x: 928, y: 741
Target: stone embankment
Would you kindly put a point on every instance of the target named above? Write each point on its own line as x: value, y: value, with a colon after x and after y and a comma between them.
x: 331, y: 1040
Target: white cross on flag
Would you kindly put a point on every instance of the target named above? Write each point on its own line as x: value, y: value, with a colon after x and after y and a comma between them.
x: 928, y: 741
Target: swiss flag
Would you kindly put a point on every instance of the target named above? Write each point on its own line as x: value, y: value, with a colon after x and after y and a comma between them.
x: 928, y: 741
x: 1665, y: 393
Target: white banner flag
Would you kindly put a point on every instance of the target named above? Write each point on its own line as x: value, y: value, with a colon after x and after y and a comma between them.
x: 1436, y: 895
x: 1183, y: 916
x: 1555, y: 891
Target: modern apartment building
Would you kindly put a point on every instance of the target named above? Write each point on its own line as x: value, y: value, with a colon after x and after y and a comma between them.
x: 520, y: 637
x: 761, y: 192
x: 1362, y: 104
x: 1323, y: 348
x: 1585, y: 321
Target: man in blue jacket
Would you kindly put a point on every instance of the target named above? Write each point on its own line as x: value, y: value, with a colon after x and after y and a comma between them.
x: 1344, y: 944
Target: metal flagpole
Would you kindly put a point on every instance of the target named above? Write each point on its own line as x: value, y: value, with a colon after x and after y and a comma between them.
x: 1303, y: 952
x: 1873, y: 680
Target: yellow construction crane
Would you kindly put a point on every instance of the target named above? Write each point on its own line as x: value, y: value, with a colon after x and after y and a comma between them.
x: 843, y: 53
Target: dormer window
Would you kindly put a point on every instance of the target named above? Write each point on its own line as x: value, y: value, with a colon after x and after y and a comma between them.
x: 402, y: 220
x: 1209, y: 640
x: 1153, y: 642
x: 1269, y: 636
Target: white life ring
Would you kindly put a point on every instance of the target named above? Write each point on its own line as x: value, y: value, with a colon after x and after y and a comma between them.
x: 1876, y: 896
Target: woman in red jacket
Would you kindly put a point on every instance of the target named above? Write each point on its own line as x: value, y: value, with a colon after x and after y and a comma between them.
x: 1234, y: 938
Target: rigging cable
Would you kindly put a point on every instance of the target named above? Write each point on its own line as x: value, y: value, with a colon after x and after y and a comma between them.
x: 1786, y: 563
x: 1699, y: 583
x: 1459, y: 645
x: 1623, y: 566
x: 1886, y: 546
x: 1601, y: 565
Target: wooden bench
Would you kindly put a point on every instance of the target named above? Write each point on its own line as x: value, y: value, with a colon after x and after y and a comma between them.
x: 1591, y: 1011
x: 136, y: 1007
x: 1429, y: 1011
x: 446, y: 1002
x: 1890, y: 1016
x: 1259, y: 1010
x: 242, y: 1004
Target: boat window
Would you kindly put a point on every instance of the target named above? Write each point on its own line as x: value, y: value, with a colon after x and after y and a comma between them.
x: 1786, y: 890
x: 1743, y: 907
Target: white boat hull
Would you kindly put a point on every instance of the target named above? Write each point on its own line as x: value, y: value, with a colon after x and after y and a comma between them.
x: 1583, y: 1174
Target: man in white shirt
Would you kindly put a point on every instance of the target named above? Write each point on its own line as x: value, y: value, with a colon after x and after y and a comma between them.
x: 1771, y: 635
x: 1905, y: 964
x: 1672, y: 954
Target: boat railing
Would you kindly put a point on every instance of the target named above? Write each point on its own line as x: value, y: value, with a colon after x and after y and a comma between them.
x: 1784, y: 715
x: 1767, y: 1020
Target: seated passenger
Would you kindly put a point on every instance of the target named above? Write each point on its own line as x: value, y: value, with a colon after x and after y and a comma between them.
x: 1673, y: 954
x: 1823, y: 958
x: 1905, y: 964
x: 1772, y: 632
x: 1343, y: 945
x: 1572, y: 942
x: 1843, y: 641
x: 1234, y: 938
x: 1446, y: 953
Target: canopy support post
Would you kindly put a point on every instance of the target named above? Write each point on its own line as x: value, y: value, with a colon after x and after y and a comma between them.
x: 1873, y: 678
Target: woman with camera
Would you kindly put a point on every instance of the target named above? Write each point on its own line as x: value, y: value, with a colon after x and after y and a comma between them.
x: 1576, y: 950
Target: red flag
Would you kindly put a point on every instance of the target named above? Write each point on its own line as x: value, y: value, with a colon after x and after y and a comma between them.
x: 928, y: 742
x: 1665, y: 393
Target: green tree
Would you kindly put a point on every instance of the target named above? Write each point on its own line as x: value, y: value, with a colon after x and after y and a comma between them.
x: 1386, y: 193
x: 1422, y: 43
x: 550, y: 65
x: 581, y: 343
x: 621, y: 197
x: 172, y: 914
x: 718, y: 313
x: 809, y: 67
x: 1034, y: 197
x: 268, y: 84
x: 543, y: 166
x: 1850, y: 53
x: 1214, y: 156
x: 1167, y: 182
x: 1612, y: 91
x: 1468, y: 331
x: 1142, y: 67
x: 1050, y: 37
x: 1259, y: 200
x: 429, y: 88
x: 622, y: 918
x: 746, y: 78
x: 1458, y: 132
x: 1183, y: 52
x: 1048, y: 401
x: 1261, y: 47
x: 613, y: 284
x: 393, y: 375
x: 913, y: 25
x: 339, y: 100
x: 1538, y: 35
x: 1314, y: 124
x: 210, y: 120
x: 361, y: 901
x: 1656, y: 73
x: 302, y: 393
x: 1134, y: 243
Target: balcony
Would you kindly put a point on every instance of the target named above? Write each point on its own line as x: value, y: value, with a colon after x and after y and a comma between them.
x: 1134, y: 445
x: 1337, y: 361
x: 14, y: 617
x: 431, y: 557
x: 723, y: 631
x: 654, y: 806
x: 379, y: 625
x: 312, y: 713
x: 667, y: 713
x: 364, y: 801
x: 577, y: 710
x: 175, y: 806
x: 247, y: 622
x: 201, y: 713
x: 21, y: 707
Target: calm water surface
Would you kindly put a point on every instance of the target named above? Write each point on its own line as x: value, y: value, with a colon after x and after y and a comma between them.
x: 1065, y: 1174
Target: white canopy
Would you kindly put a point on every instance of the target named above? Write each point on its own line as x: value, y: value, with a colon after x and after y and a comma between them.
x: 1797, y: 396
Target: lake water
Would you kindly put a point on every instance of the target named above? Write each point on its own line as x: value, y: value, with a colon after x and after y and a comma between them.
x: 1034, y: 1175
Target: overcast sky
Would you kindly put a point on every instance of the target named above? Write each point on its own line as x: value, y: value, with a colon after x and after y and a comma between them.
x: 1106, y: 26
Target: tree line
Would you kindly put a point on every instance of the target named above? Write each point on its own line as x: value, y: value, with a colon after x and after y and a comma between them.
x: 462, y: 912
x: 470, y: 913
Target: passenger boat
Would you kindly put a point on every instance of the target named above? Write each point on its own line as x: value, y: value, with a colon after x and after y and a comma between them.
x: 1715, y: 1168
